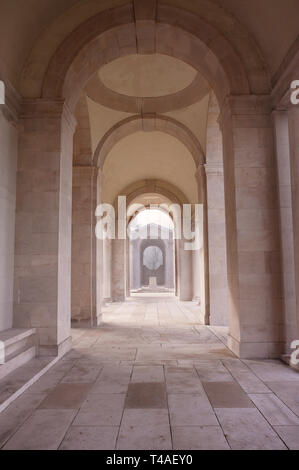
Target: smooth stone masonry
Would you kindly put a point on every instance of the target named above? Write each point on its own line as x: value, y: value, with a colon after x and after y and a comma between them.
x: 44, y: 430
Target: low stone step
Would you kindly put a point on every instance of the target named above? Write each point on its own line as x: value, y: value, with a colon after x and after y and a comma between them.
x: 17, y: 346
x: 16, y: 340
x: 17, y: 382
x: 14, y: 335
x: 17, y: 360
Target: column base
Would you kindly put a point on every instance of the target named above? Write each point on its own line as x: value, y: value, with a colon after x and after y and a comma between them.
x: 120, y: 298
x: 57, y: 350
x: 185, y: 298
x: 257, y: 350
x: 286, y: 358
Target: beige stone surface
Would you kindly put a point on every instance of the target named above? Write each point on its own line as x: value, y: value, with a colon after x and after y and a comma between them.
x: 147, y: 75
x: 199, y: 438
x: 181, y: 101
x: 287, y: 392
x: 246, y: 429
x: 65, y: 396
x: 145, y: 430
x: 190, y: 410
x: 146, y: 395
x: 227, y: 395
x: 147, y: 374
x: 90, y: 438
x: 44, y: 430
x: 101, y: 410
x: 109, y: 396
x: 113, y: 379
x: 276, y: 412
x: 290, y: 435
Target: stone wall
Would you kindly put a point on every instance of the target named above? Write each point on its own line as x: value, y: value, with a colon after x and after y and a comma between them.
x: 8, y: 165
x: 83, y: 244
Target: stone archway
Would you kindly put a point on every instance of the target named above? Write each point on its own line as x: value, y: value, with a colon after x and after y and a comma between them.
x: 235, y: 71
x: 192, y: 44
x: 154, y: 122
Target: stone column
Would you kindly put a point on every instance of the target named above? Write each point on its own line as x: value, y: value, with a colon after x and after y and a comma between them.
x: 118, y: 269
x: 135, y: 264
x: 280, y: 119
x: 8, y: 163
x: 252, y: 229
x: 217, y: 244
x: 128, y: 282
x: 84, y: 246
x: 293, y: 115
x: 42, y: 288
x: 204, y: 250
x: 169, y: 267
x: 184, y: 272
x: 196, y: 282
x: 106, y: 282
x: 99, y: 259
x: 176, y: 267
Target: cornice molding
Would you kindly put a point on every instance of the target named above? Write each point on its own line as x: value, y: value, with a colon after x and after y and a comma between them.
x: 47, y: 109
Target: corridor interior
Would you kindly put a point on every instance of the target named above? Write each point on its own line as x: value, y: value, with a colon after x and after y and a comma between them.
x: 111, y: 108
x: 152, y: 377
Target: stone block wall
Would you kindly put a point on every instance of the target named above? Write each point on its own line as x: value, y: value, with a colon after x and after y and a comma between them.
x: 8, y: 165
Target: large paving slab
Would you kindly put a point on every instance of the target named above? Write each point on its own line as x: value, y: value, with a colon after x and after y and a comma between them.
x: 44, y: 430
x: 247, y: 429
x: 151, y: 377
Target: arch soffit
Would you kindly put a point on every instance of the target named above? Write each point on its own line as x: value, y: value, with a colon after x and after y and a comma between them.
x: 165, y: 29
x: 149, y: 123
x: 153, y: 186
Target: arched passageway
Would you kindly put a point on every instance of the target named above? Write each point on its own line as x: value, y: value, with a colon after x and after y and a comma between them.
x: 152, y: 252
x: 108, y: 109
x: 76, y: 91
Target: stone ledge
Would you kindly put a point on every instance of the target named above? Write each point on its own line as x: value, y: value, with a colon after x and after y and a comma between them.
x: 16, y: 383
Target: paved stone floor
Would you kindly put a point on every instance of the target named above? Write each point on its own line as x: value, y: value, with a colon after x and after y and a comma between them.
x: 153, y: 378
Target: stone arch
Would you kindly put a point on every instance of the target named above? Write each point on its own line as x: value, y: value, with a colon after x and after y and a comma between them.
x: 229, y: 67
x: 212, y: 19
x: 163, y: 188
x: 172, y: 195
x: 152, y: 122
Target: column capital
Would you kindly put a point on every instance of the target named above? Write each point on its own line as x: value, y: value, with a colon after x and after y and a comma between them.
x: 246, y: 104
x: 246, y: 111
x: 279, y: 112
x: 44, y: 108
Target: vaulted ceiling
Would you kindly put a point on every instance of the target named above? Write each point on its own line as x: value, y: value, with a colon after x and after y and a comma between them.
x: 272, y: 23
